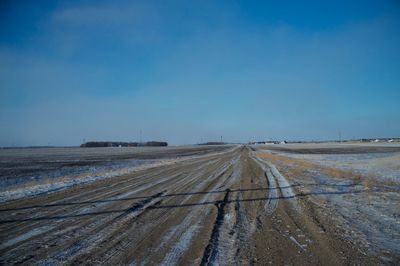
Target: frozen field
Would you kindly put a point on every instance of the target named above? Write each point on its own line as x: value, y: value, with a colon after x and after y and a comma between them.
x: 201, y: 205
x: 27, y: 172
x: 377, y: 160
x: 359, y: 185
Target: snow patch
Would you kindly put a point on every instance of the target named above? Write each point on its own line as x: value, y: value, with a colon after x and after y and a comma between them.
x: 23, y: 237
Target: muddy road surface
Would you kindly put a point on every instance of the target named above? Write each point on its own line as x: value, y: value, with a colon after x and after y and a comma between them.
x: 225, y: 208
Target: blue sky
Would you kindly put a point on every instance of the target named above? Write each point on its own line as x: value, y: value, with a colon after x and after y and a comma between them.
x: 191, y: 71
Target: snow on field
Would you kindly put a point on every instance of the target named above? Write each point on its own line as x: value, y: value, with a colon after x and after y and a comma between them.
x: 385, y: 166
x: 369, y: 216
x: 20, y: 238
x: 45, y: 182
x: 32, y: 183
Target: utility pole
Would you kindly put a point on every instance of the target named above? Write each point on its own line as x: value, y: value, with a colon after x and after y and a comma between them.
x: 340, y: 136
x: 221, y: 139
x: 140, y: 136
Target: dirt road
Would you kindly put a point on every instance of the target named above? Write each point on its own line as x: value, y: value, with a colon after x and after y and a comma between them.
x: 226, y: 208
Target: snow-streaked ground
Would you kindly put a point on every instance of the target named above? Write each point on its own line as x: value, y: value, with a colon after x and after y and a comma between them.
x: 71, y: 176
x: 385, y: 166
x: 366, y: 215
x: 30, y: 172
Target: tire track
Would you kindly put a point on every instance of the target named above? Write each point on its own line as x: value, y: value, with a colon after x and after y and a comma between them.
x: 120, y: 242
x: 272, y: 198
x: 114, y: 232
x: 54, y: 230
x: 105, y: 231
x: 182, y: 245
x: 211, y: 251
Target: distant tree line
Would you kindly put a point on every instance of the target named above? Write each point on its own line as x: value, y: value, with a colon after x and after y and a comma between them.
x: 93, y: 144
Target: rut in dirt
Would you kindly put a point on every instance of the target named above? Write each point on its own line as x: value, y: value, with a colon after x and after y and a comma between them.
x: 211, y: 250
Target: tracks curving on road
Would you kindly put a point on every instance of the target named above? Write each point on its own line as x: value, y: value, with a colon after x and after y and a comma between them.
x: 215, y: 209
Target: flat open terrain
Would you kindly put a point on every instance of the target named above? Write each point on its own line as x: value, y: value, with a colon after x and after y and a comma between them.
x: 201, y: 205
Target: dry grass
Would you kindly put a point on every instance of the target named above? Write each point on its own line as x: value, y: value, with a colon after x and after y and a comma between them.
x: 370, y: 182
